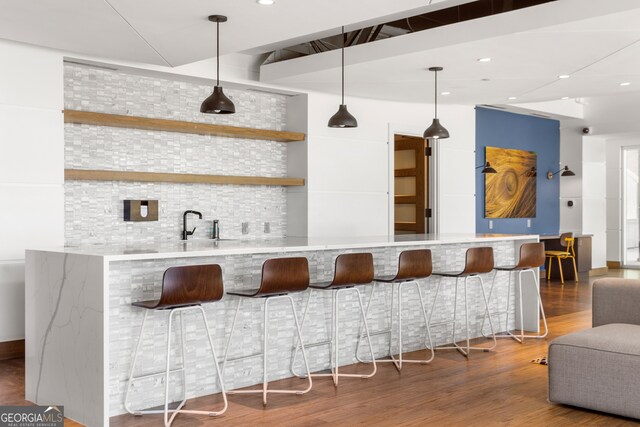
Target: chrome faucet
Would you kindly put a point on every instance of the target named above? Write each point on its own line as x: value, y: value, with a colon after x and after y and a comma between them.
x: 185, y: 233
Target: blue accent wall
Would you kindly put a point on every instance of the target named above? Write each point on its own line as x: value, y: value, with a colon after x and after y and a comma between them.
x: 508, y: 130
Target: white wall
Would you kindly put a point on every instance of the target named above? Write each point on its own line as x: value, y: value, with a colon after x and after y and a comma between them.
x: 594, y: 197
x: 31, y: 169
x: 614, y: 119
x: 614, y: 147
x: 571, y: 154
x: 348, y: 169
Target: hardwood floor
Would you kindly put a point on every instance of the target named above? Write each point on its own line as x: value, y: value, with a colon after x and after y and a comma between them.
x: 498, y: 388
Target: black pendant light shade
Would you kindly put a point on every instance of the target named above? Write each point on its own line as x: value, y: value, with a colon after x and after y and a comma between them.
x: 565, y: 172
x: 487, y: 166
x: 217, y: 102
x: 343, y: 118
x: 436, y: 130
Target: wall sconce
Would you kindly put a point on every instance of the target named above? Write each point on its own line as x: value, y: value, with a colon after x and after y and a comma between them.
x: 565, y: 172
x: 487, y: 168
x: 531, y: 173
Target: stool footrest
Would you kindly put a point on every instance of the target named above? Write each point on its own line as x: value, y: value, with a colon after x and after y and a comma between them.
x: 268, y: 391
x: 249, y: 356
x: 344, y: 375
x: 142, y: 377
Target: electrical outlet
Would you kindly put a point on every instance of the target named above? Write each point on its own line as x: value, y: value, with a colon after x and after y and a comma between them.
x: 528, y: 222
x: 245, y: 228
x: 267, y: 227
x: 490, y: 224
x: 246, y: 372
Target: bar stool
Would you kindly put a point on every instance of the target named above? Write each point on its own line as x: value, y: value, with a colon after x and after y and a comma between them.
x: 412, y: 266
x: 351, y: 269
x: 280, y: 277
x: 183, y: 288
x: 531, y: 257
x: 478, y: 261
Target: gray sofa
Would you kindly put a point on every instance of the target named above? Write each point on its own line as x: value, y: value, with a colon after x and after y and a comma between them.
x: 599, y: 368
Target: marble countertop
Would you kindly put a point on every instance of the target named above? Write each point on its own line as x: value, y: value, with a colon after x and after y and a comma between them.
x: 208, y: 247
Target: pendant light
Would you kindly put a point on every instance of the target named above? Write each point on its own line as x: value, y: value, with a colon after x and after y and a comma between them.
x: 217, y: 102
x: 436, y: 130
x: 343, y: 119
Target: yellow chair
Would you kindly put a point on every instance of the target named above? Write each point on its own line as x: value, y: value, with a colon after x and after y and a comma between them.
x: 567, y: 240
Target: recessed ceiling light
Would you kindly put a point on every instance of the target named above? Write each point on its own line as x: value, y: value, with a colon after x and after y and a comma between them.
x: 484, y: 59
x: 564, y: 76
x: 565, y: 97
x: 265, y: 2
x: 445, y: 93
x: 485, y: 80
x: 625, y: 84
x: 512, y: 98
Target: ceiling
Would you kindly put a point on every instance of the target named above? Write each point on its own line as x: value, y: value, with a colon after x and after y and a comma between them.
x: 596, y: 42
x: 173, y: 32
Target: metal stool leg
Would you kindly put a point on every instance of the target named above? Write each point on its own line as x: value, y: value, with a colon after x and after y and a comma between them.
x: 366, y: 313
x: 296, y: 347
x: 264, y: 351
x: 335, y: 335
x: 520, y: 338
x: 366, y: 327
x: 428, y: 342
x: 265, y: 389
x: 466, y: 349
x: 226, y: 350
x: 486, y: 304
x: 166, y: 373
x: 133, y: 364
x: 493, y: 281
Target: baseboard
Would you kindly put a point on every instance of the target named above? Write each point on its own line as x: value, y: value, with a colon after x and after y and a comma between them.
x: 616, y: 265
x: 598, y: 271
x: 11, y: 349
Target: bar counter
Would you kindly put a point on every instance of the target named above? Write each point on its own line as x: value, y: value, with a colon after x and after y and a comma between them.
x: 81, y: 328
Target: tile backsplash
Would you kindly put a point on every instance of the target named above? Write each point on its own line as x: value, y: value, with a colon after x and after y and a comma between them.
x: 94, y: 209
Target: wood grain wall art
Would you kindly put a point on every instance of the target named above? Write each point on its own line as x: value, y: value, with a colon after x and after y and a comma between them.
x: 510, y: 193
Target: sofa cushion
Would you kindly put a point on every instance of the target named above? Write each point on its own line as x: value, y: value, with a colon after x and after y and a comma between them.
x: 598, y: 368
x: 614, y: 337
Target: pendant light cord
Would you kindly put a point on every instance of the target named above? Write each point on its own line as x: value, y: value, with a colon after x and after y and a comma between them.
x: 435, y: 95
x: 217, y: 53
x: 343, y: 43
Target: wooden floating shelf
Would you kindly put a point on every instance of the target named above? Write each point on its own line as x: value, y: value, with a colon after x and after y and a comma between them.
x: 182, y: 178
x: 145, y: 123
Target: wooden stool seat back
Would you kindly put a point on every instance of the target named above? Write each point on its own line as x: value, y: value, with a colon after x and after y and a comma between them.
x: 414, y: 264
x: 478, y: 261
x: 191, y: 285
x: 353, y: 269
x: 283, y: 275
x: 531, y: 255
